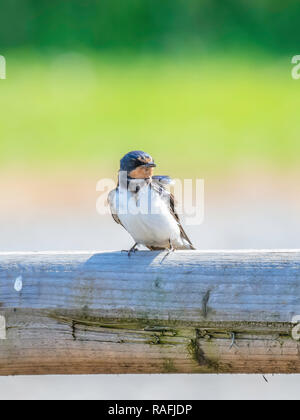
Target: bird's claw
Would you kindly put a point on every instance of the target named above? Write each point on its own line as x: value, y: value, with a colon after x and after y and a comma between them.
x: 170, y: 250
x: 133, y: 249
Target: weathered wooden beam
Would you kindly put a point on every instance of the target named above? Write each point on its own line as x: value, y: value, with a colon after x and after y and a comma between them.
x: 193, y: 311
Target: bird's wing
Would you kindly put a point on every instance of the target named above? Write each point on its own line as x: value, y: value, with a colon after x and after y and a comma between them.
x: 112, y: 204
x: 160, y: 187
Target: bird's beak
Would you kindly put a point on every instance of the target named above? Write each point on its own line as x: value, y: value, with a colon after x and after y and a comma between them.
x: 150, y: 165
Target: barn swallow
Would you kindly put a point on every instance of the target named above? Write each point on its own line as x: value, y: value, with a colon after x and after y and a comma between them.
x: 157, y: 228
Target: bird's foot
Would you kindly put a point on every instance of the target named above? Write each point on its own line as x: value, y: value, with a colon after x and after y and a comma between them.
x: 170, y: 250
x: 132, y: 250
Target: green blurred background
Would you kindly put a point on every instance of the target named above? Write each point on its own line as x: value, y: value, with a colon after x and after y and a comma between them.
x: 203, y: 85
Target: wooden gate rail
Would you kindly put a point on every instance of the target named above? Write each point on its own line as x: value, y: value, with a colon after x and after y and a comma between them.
x: 191, y: 312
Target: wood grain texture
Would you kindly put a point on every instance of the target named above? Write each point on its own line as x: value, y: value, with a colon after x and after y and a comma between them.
x: 194, y: 311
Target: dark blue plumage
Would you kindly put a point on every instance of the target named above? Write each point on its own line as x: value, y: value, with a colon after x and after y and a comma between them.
x: 133, y: 159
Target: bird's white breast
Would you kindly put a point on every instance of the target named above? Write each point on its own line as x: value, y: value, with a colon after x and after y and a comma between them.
x: 146, y: 216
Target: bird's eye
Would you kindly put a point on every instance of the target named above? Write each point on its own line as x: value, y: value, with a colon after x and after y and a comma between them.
x: 139, y: 163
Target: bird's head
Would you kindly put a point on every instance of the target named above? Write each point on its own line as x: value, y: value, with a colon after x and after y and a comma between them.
x: 138, y: 165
